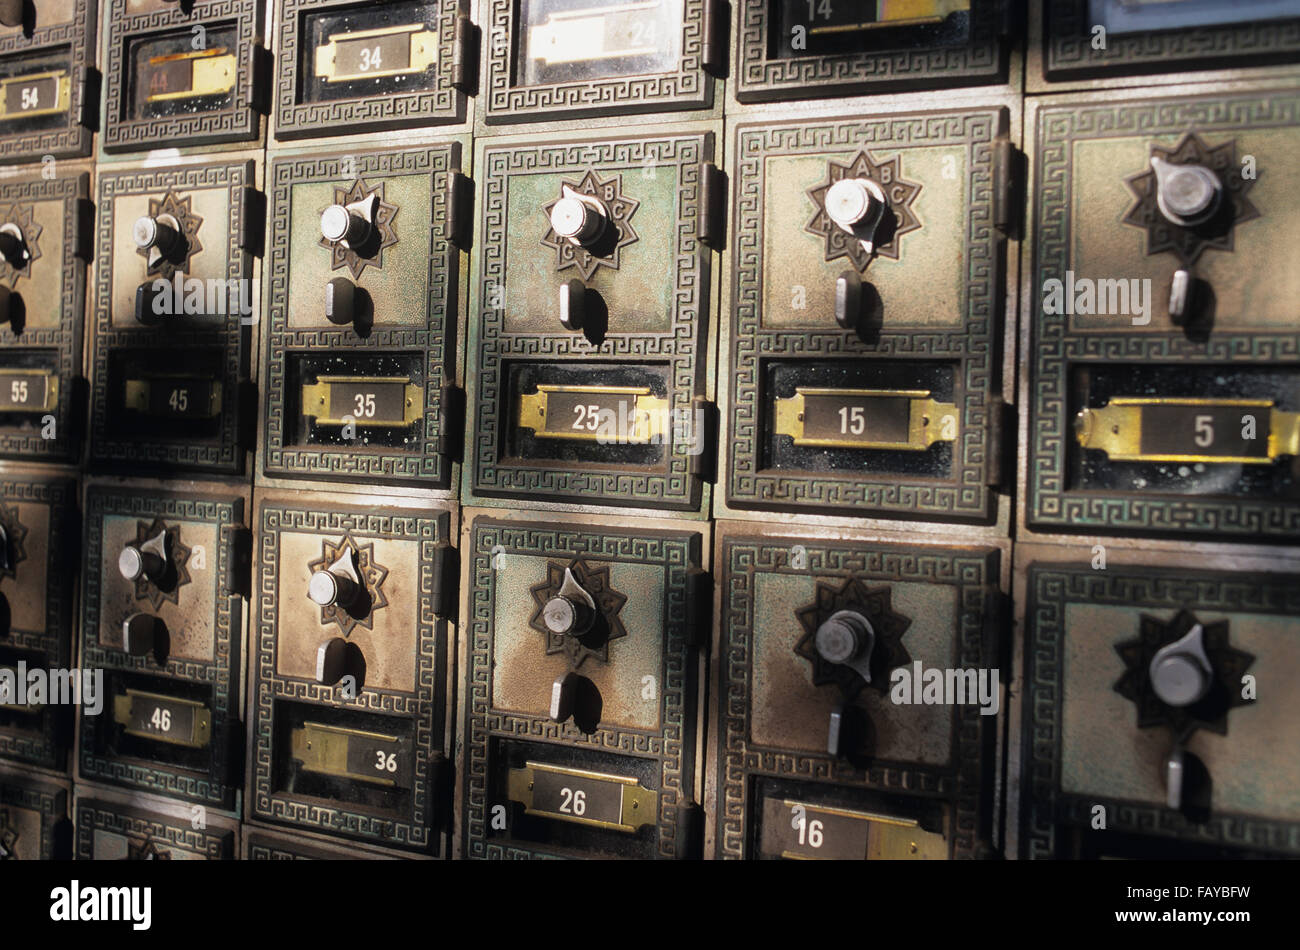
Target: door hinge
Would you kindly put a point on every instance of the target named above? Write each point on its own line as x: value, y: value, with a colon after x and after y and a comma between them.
x: 451, y: 427
x: 703, y: 441
x: 699, y: 606
x: 1000, y: 422
x: 238, y: 543
x: 1006, y: 164
x: 464, y: 56
x: 713, y: 205
x: 460, y: 210
x: 714, y: 58
x: 252, y: 221
x: 443, y: 563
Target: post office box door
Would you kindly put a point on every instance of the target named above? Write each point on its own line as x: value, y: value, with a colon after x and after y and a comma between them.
x: 49, y: 94
x: 180, y: 74
x: 580, y: 713
x: 1143, y: 418
x: 33, y: 819
x: 37, y: 590
x: 348, y: 66
x: 839, y: 646
x: 108, y: 831
x: 166, y: 582
x: 350, y: 691
x: 1129, y: 669
x: 362, y: 331
x: 863, y: 371
x: 174, y: 310
x: 588, y: 350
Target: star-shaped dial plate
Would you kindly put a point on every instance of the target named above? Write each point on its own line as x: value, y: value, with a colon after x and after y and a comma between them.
x: 874, y: 603
x: 384, y: 234
x: 146, y: 589
x: 618, y: 209
x: 372, y: 574
x: 898, y: 219
x: 609, y: 602
x: 24, y: 216
x: 159, y: 264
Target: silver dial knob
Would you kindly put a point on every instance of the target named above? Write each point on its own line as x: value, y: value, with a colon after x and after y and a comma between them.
x: 578, y: 218
x: 1180, y: 672
x: 1186, y: 194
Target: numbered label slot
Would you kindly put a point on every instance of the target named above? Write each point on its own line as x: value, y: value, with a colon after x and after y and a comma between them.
x: 594, y: 799
x: 35, y: 94
x: 169, y: 77
x: 832, y: 27
x: 210, y: 72
x: 563, y: 43
x: 162, y: 718
x: 366, y: 401
x: 594, y: 413
x: 369, y: 54
x: 362, y: 756
x: 28, y: 390
x: 369, y: 50
x: 174, y: 397
x: 803, y: 831
x: 14, y: 696
x: 356, y: 401
x: 906, y: 420
x: 1155, y: 429
x: 155, y: 393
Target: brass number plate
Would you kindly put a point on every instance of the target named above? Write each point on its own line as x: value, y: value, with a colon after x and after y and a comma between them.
x: 363, y: 401
x: 366, y: 54
x: 1240, y: 431
x: 12, y: 690
x: 811, y: 832
x: 351, y: 753
x: 623, y: 414
x: 35, y: 94
x: 187, y: 75
x: 28, y: 390
x: 866, y: 418
x: 584, y: 798
x: 182, y: 397
x: 612, y: 32
x: 163, y: 718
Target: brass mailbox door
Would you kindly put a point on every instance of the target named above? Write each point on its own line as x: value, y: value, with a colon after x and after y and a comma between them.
x: 37, y: 590
x: 857, y: 700
x: 166, y: 584
x: 174, y: 310
x: 587, y: 353
x: 362, y: 322
x: 33, y: 817
x: 580, y: 710
x: 556, y: 59
x: 791, y: 49
x: 107, y: 830
x: 350, y: 673
x: 1163, y: 392
x: 345, y: 66
x: 866, y: 315
x: 181, y: 74
x: 49, y: 99
x: 1090, y: 38
x: 45, y: 230
x: 1160, y: 714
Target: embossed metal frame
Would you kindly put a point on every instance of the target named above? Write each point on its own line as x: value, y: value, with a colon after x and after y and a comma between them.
x: 685, y: 344
x: 73, y: 190
x: 427, y: 463
x: 975, y: 343
x: 763, y: 78
x: 689, y: 87
x: 1045, y: 807
x: 232, y: 337
x: 214, y: 844
x: 74, y: 138
x: 1068, y: 51
x: 672, y: 745
x: 240, y: 122
x: 222, y: 781
x: 974, y: 573
x: 1054, y: 348
x: 293, y: 119
x: 51, y: 801
x: 425, y: 707
x: 54, y: 642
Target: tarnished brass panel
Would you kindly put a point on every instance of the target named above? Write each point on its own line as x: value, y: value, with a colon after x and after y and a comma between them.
x: 349, y: 67
x: 583, y: 679
x: 37, y: 590
x: 552, y: 60
x: 45, y: 226
x: 615, y: 304
x: 793, y: 49
x: 850, y: 676
x: 1162, y: 391
x: 183, y: 74
x: 361, y: 352
x: 862, y: 366
x: 164, y: 613
x: 1118, y: 751
x: 33, y: 818
x: 49, y: 100
x: 175, y: 304
x: 350, y: 670
x: 109, y: 828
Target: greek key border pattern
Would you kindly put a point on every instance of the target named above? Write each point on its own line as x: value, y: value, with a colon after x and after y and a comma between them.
x: 958, y: 784
x: 972, y: 345
x: 1055, y: 347
x: 688, y: 87
x: 50, y: 801
x: 680, y: 346
x: 423, y: 707
x: 672, y: 745
x: 1051, y: 589
x: 425, y: 463
x: 217, y: 786
x: 79, y: 35
x: 233, y: 124
x: 231, y: 337
x: 93, y: 816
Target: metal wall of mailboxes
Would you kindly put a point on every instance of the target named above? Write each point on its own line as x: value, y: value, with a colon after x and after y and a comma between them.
x: 506, y: 428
